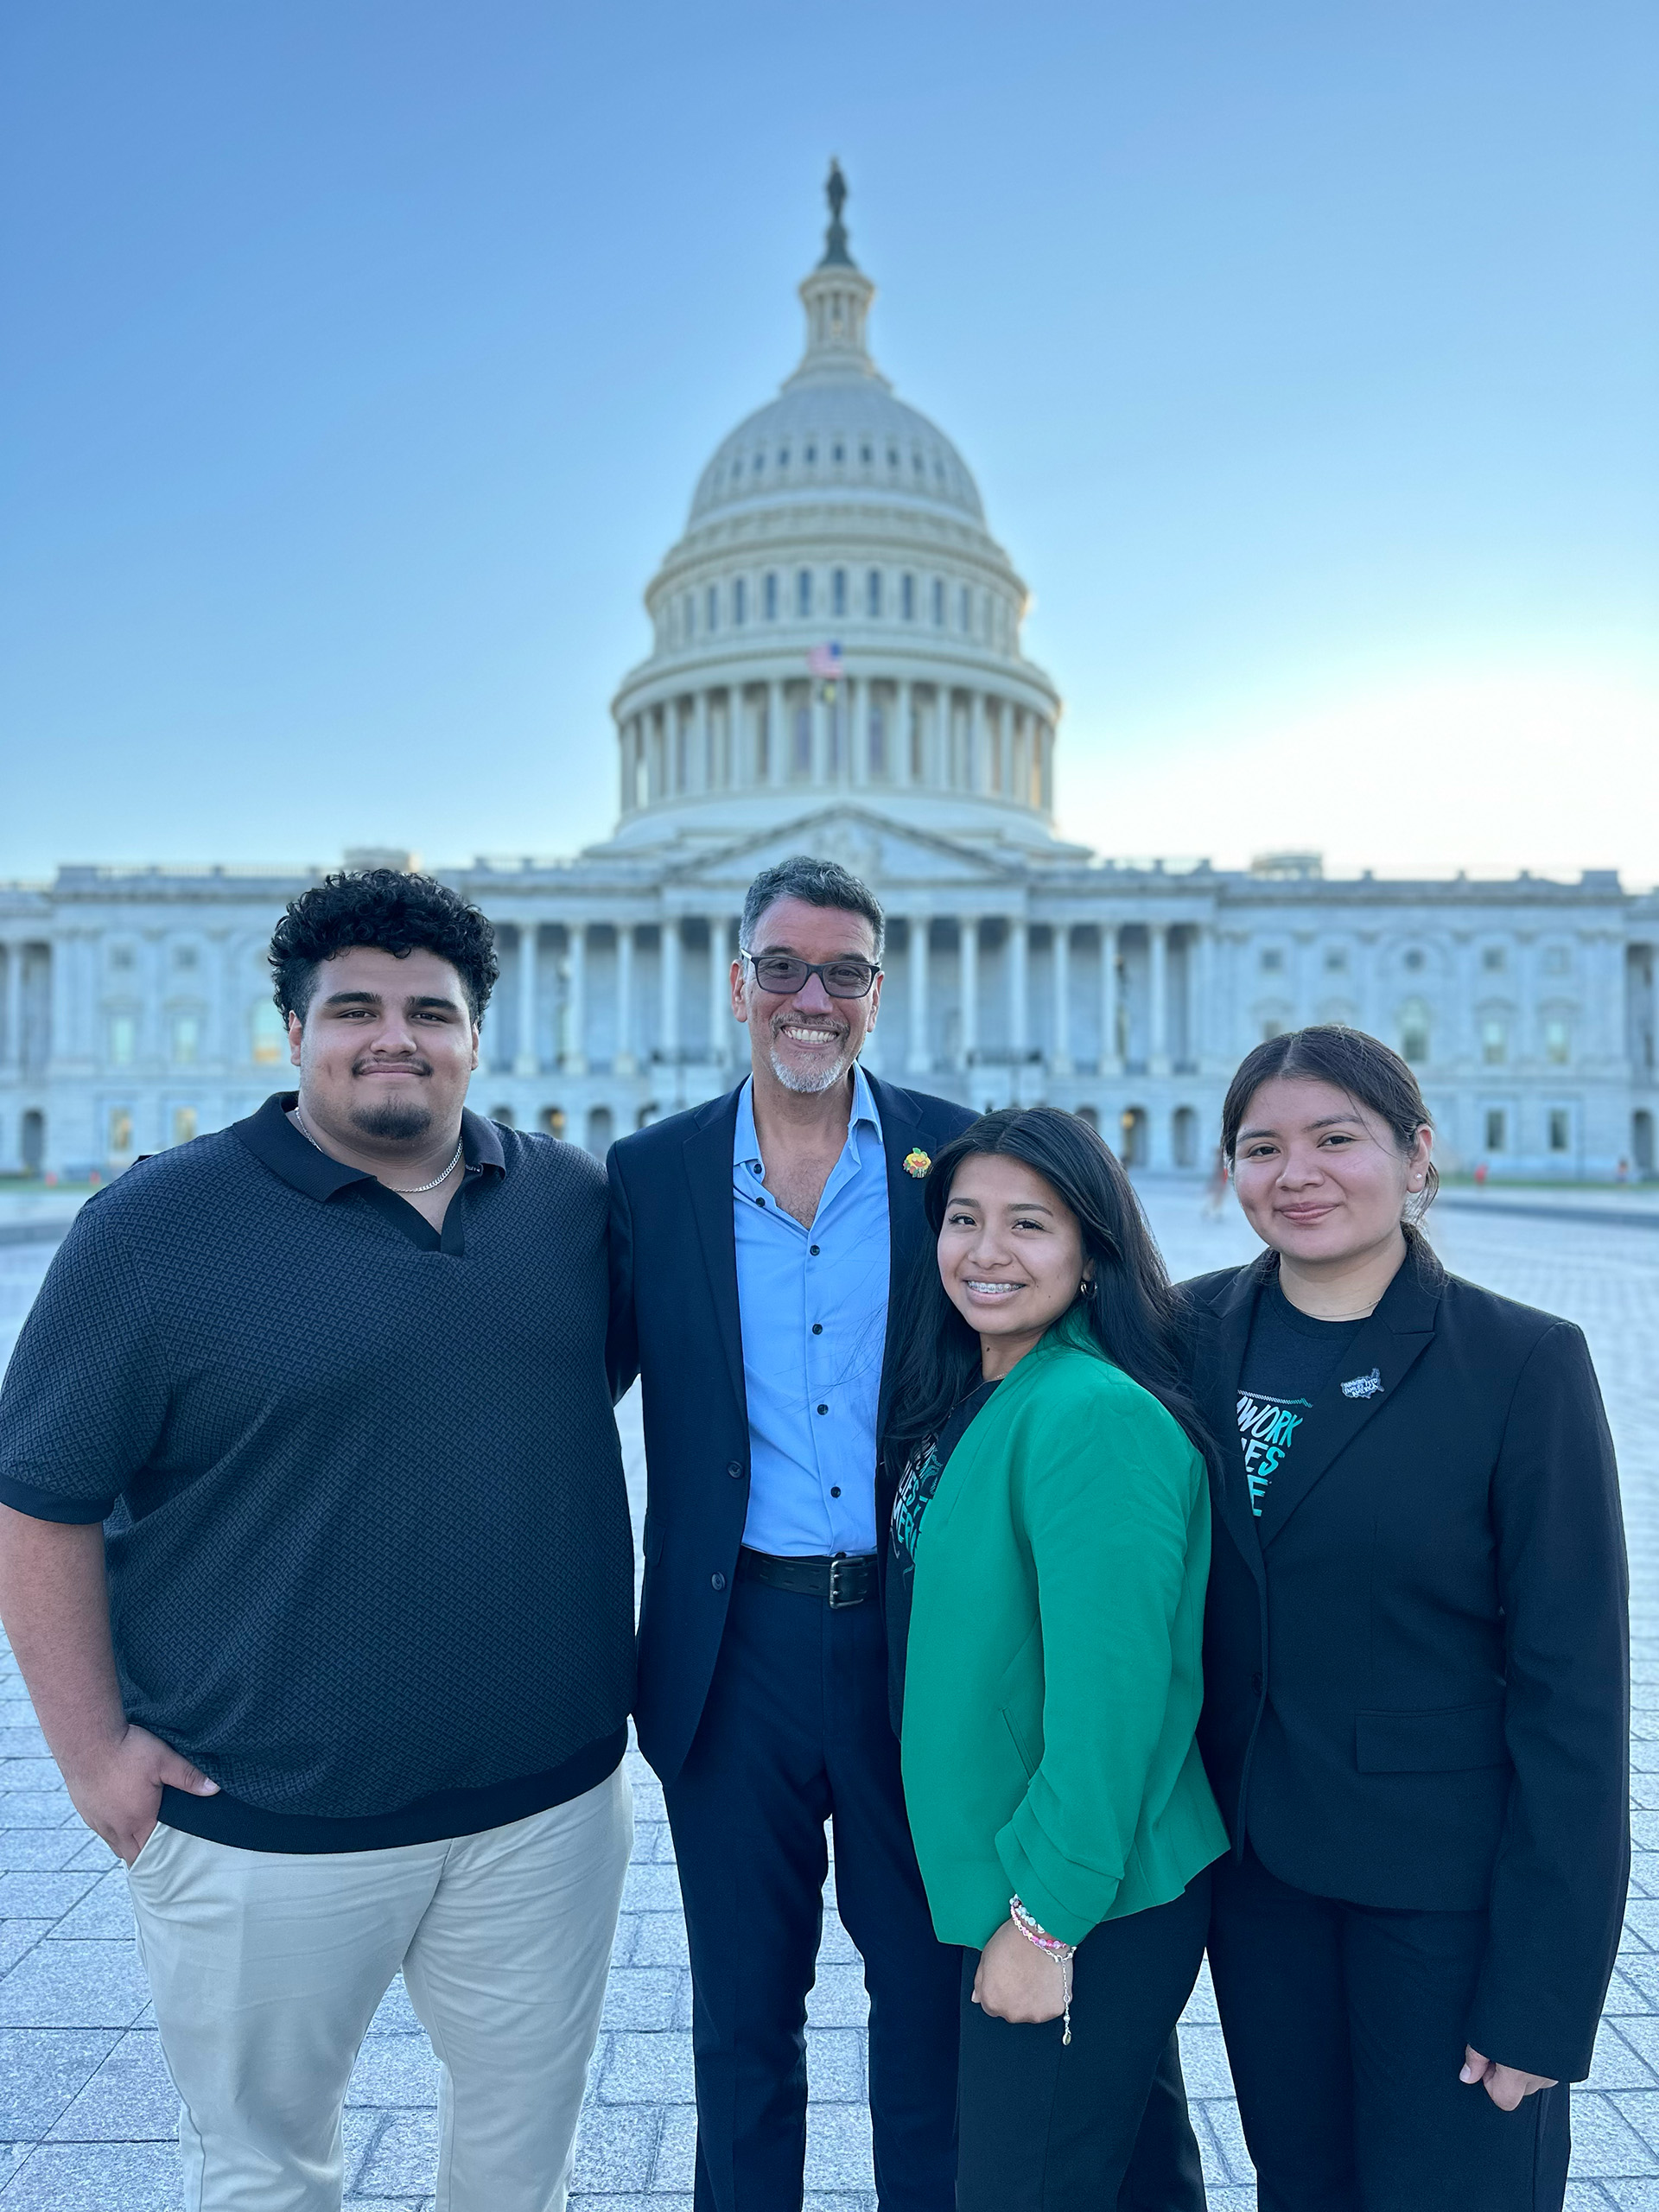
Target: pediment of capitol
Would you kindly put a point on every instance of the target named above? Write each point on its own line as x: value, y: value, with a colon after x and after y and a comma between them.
x: 837, y: 667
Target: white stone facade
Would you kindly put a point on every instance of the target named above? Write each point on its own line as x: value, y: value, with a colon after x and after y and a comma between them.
x: 135, y: 1008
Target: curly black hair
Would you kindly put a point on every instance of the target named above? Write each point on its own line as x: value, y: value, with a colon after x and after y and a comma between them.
x: 394, y: 912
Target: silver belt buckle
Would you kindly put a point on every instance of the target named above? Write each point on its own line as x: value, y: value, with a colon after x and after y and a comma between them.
x: 837, y: 1601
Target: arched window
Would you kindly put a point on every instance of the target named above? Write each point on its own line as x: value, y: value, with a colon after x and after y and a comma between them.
x: 553, y: 1121
x: 938, y: 602
x: 838, y: 591
x: 1558, y: 1040
x: 739, y: 600
x: 873, y: 595
x: 1494, y: 1041
x: 907, y: 597
x: 769, y: 595
x: 1414, y: 1033
x: 964, y: 608
x: 1131, y: 1136
x: 803, y: 591
x: 711, y: 608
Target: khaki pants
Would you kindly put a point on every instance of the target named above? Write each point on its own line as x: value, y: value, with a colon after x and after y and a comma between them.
x: 266, y: 1968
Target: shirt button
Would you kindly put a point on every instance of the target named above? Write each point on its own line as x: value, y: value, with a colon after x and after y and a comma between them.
x: 734, y: 1468
x: 823, y: 1409
x: 716, y: 1582
x: 835, y: 1490
x: 813, y: 1250
x: 817, y: 1328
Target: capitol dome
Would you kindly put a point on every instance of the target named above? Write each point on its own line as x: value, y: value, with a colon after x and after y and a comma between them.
x: 836, y: 619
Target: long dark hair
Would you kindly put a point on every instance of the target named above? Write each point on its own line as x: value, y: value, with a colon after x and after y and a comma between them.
x: 1370, y: 1072
x: 1130, y: 1308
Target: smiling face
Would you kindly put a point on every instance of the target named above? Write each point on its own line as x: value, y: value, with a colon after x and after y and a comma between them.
x: 806, y: 1039
x: 1322, y: 1178
x: 1011, y: 1254
x: 386, y: 1046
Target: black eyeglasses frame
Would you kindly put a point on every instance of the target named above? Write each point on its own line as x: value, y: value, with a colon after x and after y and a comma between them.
x: 811, y: 968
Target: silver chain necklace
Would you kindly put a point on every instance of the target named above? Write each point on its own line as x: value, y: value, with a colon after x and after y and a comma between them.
x: 403, y: 1190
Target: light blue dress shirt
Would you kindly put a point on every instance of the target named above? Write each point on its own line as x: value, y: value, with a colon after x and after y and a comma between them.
x: 814, y: 1308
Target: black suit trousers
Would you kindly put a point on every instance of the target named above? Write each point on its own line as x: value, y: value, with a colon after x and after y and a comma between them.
x: 795, y: 1732
x: 1048, y: 2127
x: 1345, y: 2027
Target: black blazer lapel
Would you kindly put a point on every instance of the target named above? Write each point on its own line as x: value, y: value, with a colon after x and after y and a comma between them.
x: 1223, y: 1335
x: 1383, y: 1352
x: 707, y: 1155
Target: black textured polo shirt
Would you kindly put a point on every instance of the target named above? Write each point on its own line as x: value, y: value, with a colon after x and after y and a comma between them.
x: 367, y: 1537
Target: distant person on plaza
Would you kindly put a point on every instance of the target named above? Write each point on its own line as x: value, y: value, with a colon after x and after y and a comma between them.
x: 754, y: 1242
x: 1045, y: 1606
x: 1415, y: 1669
x: 344, y: 1675
x: 1215, y: 1189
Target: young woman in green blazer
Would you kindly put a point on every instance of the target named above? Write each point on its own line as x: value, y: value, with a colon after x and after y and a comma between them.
x: 1049, y: 1550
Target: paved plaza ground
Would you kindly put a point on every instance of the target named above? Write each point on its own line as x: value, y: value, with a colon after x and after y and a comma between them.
x: 86, y: 2114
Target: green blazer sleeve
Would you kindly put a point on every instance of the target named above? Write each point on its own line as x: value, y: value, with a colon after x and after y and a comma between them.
x: 1054, y: 1676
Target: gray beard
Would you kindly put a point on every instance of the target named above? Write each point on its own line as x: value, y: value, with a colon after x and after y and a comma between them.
x: 807, y: 1083
x: 395, y: 1123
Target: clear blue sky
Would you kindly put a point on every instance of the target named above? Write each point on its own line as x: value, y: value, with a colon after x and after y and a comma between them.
x: 360, y: 359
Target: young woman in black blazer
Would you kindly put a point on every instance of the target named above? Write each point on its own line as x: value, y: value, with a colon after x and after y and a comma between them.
x: 1415, y: 1670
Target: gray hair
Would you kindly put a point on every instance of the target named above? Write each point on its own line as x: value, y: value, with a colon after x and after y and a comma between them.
x: 819, y: 883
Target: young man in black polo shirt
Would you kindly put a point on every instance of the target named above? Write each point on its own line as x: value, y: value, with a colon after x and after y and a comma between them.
x: 314, y: 1553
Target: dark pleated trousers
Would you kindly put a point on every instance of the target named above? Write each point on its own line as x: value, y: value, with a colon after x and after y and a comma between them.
x: 1051, y: 2126
x: 1345, y: 2029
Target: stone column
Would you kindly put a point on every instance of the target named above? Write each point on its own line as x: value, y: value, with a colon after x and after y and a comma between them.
x: 777, y: 734
x: 575, y: 1032
x: 1302, y: 986
x: 904, y: 707
x: 1018, y: 988
x: 702, y: 764
x: 1110, y: 1062
x: 669, y: 1029
x: 10, y: 987
x: 1059, y: 1055
x: 916, y: 962
x: 1203, y: 999
x: 623, y: 1061
x: 968, y: 943
x: 527, y: 1060
x: 1158, y: 993
x: 720, y: 989
x: 975, y: 778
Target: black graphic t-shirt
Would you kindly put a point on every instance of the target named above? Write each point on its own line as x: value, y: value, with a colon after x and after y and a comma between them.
x: 921, y: 1479
x: 1288, y: 1361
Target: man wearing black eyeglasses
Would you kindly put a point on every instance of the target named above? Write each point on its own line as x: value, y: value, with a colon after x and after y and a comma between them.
x: 754, y: 1242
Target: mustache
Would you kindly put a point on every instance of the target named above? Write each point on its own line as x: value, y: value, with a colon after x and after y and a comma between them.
x: 410, y: 1061
x: 827, y: 1023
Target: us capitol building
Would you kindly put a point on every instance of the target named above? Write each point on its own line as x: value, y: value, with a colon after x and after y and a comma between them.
x: 836, y: 668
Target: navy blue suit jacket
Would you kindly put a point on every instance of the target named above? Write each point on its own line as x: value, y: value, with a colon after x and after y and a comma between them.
x: 1415, y: 1661
x: 675, y: 1322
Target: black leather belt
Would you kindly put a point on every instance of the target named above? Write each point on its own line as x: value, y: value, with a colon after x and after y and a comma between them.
x: 847, y: 1579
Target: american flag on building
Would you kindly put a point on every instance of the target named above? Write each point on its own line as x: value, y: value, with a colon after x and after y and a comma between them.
x: 825, y: 661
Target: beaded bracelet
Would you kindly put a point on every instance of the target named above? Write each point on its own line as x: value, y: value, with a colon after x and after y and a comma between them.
x: 1051, y: 1945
